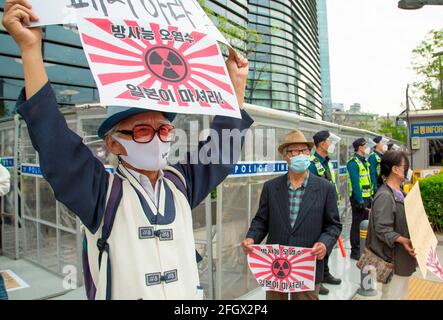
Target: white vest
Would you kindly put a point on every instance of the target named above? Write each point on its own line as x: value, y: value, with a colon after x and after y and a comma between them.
x: 146, y: 265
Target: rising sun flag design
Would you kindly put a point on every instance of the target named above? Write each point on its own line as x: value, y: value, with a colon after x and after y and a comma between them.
x: 282, y: 268
x: 164, y: 68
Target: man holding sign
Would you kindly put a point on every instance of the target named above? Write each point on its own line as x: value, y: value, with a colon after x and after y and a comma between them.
x: 138, y: 220
x: 298, y: 209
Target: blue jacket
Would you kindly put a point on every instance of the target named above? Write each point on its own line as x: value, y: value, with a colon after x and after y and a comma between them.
x: 80, y: 181
x: 318, y: 219
x: 373, y: 170
x: 354, y: 175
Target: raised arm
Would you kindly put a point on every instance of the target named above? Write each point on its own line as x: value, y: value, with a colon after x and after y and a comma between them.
x: 78, y: 179
x: 219, y: 153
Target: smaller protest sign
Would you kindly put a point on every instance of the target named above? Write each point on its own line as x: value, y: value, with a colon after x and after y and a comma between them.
x: 282, y: 268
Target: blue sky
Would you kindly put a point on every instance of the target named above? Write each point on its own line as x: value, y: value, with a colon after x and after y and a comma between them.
x: 370, y: 44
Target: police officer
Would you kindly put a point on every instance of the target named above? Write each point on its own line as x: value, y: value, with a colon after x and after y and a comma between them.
x: 375, y: 159
x: 360, y: 191
x: 321, y: 166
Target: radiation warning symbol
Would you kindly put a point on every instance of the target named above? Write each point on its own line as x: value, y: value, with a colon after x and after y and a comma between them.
x: 281, y: 268
x: 166, y: 64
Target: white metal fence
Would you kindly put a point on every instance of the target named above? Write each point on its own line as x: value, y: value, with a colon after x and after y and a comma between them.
x: 36, y: 227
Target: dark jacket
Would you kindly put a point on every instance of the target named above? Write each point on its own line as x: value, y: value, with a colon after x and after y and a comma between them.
x: 79, y: 180
x: 386, y: 224
x: 317, y: 221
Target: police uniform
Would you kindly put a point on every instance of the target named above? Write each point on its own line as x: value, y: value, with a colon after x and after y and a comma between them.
x: 374, y: 169
x: 374, y: 165
x: 360, y: 193
x: 323, y: 167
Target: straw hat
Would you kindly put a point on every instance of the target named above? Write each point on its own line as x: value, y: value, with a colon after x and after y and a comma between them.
x: 295, y: 136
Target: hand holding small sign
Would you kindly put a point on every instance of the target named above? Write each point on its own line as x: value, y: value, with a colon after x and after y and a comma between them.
x: 319, y: 250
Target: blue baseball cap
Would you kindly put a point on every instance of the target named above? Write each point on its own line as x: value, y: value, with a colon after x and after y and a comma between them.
x: 115, y: 114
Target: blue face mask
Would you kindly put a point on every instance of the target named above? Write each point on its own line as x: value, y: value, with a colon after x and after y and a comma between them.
x: 300, y: 163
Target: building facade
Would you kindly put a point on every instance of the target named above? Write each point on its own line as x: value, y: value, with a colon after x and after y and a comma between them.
x: 285, y: 68
x: 322, y: 13
x: 65, y: 63
x: 284, y: 61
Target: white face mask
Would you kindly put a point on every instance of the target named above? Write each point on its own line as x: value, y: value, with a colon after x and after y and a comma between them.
x: 331, y: 148
x: 385, y: 148
x: 150, y: 156
x: 367, y: 151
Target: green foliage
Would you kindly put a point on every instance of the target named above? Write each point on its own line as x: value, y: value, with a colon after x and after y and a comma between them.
x: 388, y: 128
x: 432, y: 195
x: 245, y: 40
x: 429, y: 69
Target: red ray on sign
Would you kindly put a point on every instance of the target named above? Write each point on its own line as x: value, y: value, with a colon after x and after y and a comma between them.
x: 161, y: 63
x: 282, y: 268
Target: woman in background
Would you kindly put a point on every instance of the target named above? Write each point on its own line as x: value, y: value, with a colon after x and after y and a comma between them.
x: 388, y: 235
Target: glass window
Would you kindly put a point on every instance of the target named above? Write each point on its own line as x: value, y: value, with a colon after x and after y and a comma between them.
x: 63, y: 35
x: 436, y: 152
x: 10, y: 89
x: 64, y: 54
x: 70, y: 75
x: 8, y: 45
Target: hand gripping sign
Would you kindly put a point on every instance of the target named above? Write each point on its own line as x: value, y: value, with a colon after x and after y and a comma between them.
x: 282, y: 268
x: 164, y: 68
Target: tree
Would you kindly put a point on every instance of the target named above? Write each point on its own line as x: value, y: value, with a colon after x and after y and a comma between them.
x: 389, y: 129
x: 245, y: 40
x: 428, y: 68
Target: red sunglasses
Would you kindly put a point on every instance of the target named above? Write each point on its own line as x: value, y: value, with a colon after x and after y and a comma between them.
x: 144, y: 133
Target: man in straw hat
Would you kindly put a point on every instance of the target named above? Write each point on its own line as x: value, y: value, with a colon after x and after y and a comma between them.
x: 297, y: 209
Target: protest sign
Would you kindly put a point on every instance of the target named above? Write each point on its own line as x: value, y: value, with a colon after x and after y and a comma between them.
x: 421, y: 234
x: 164, y: 68
x: 186, y: 14
x: 283, y: 268
x: 13, y: 281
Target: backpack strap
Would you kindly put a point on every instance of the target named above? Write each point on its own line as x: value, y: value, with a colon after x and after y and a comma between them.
x: 108, y: 221
x: 179, y: 181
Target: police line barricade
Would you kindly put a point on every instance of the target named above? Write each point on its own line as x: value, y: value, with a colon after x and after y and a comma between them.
x: 28, y: 169
x: 277, y: 167
x: 7, y: 162
x: 243, y: 168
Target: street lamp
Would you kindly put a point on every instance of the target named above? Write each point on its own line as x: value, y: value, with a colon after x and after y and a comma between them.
x: 418, y: 4
x: 409, y: 126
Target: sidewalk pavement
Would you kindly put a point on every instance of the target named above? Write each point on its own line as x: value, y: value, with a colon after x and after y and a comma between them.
x: 431, y: 279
